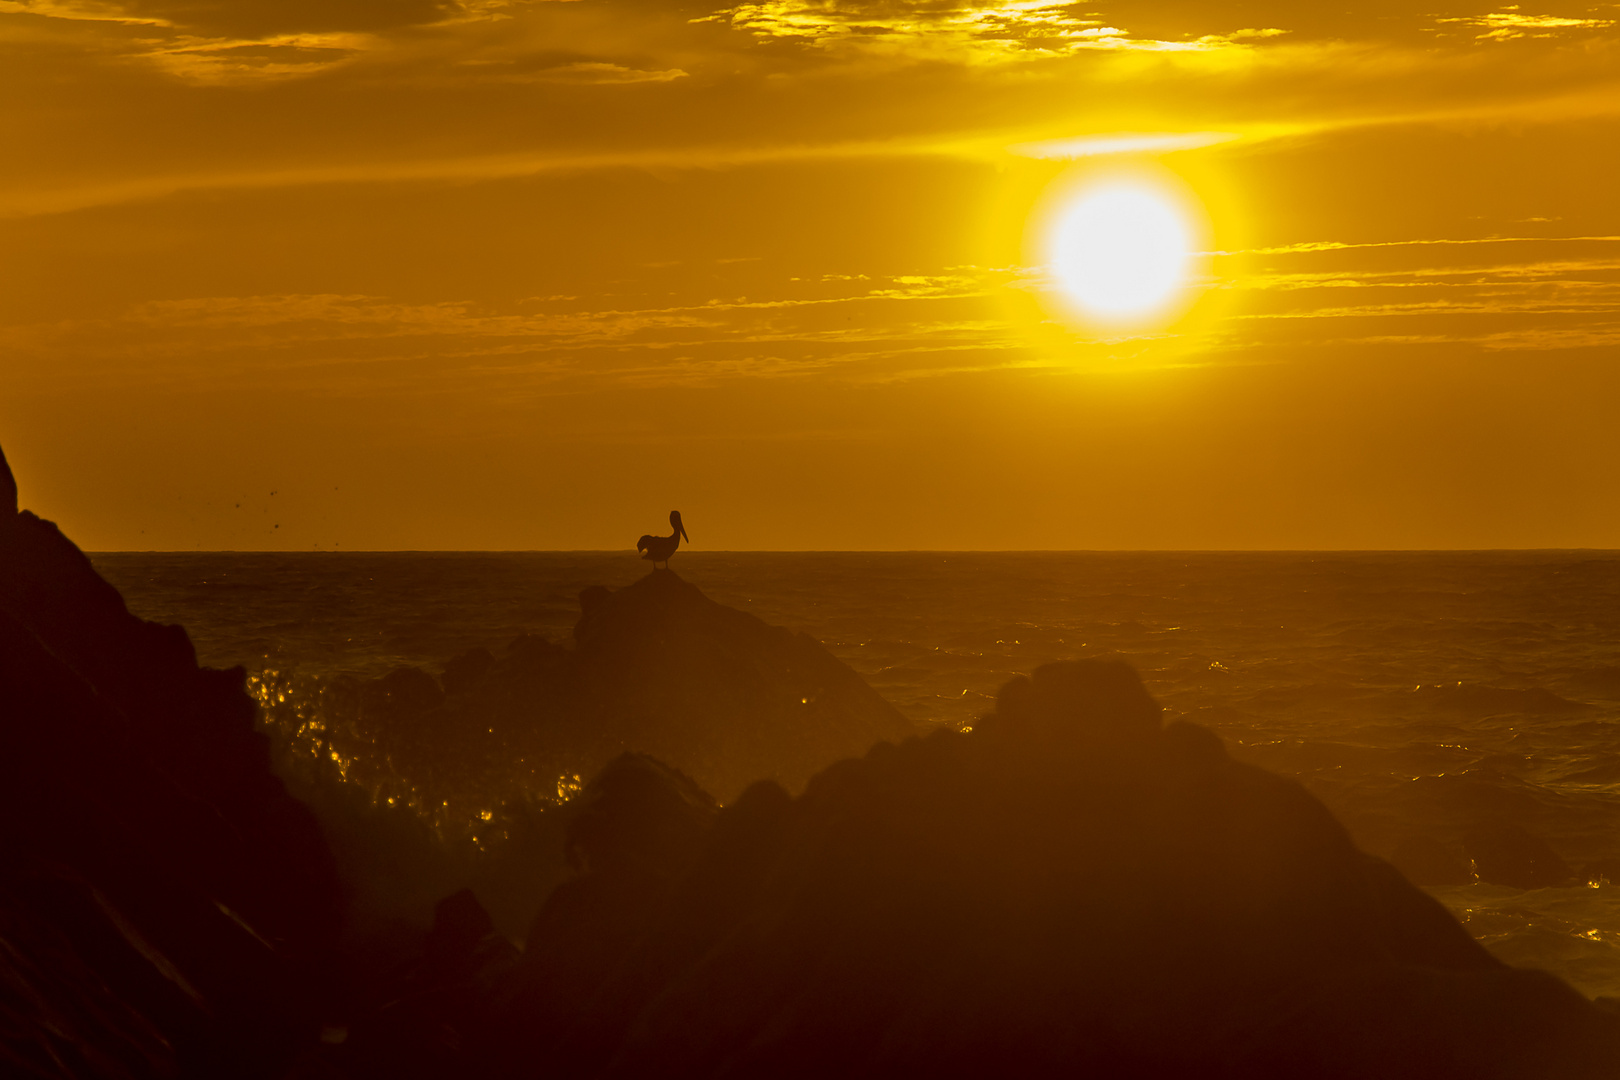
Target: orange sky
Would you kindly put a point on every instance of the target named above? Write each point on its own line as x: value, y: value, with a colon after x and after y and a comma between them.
x: 530, y: 273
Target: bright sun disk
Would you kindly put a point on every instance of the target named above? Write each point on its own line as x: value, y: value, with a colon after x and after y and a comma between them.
x: 1121, y: 251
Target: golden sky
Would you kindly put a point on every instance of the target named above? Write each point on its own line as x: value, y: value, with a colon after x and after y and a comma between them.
x: 531, y: 273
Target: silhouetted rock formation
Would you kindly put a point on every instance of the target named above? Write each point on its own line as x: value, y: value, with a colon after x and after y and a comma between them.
x: 655, y: 667
x: 1478, y: 825
x: 419, y: 1032
x: 1067, y: 890
x: 1426, y: 861
x: 1504, y: 853
x: 160, y: 892
x: 8, y: 494
x: 718, y: 692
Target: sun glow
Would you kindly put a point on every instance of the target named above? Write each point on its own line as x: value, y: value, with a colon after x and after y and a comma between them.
x: 1121, y: 250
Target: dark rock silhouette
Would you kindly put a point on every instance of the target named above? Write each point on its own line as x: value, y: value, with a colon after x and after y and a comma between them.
x: 1602, y: 870
x: 461, y: 936
x: 1427, y: 861
x: 406, y: 691
x: 8, y: 494
x: 1067, y: 890
x: 463, y: 673
x: 656, y: 667
x: 150, y: 854
x: 638, y: 826
x: 420, y: 1030
x: 1489, y: 700
x: 1506, y: 854
x: 718, y: 692
x: 638, y: 815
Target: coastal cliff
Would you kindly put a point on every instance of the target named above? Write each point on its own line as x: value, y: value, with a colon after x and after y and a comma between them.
x: 165, y: 906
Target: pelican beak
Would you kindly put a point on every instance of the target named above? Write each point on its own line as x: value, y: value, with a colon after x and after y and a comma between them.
x: 688, y: 539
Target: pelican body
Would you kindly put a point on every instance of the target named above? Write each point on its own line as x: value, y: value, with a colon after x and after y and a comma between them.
x: 660, y: 548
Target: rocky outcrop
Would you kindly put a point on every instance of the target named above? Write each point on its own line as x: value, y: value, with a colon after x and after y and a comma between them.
x: 151, y: 856
x: 8, y: 494
x: 1069, y: 889
x: 716, y: 691
x: 655, y: 668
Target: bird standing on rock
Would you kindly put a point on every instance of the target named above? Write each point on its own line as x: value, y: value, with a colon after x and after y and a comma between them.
x: 660, y: 548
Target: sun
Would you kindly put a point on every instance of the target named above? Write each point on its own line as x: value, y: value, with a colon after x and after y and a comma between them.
x: 1121, y: 251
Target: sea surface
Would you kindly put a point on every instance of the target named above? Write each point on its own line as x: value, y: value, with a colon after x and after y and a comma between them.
x: 1421, y: 695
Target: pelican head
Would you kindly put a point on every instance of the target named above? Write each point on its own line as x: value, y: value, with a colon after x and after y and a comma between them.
x: 675, y: 523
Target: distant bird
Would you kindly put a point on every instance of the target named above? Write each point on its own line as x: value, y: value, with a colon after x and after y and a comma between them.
x: 660, y: 548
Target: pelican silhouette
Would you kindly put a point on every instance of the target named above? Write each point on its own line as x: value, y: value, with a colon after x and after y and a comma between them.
x: 660, y: 548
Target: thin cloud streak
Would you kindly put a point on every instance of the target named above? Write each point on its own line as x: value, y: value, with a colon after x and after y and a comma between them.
x: 1123, y: 143
x: 25, y: 203
x: 1335, y: 245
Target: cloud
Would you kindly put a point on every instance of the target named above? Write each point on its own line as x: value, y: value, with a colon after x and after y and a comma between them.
x: 1121, y: 143
x: 1563, y: 293
x: 213, y: 42
x: 262, y: 19
x: 594, y: 73
x: 802, y: 328
x: 1509, y: 24
x: 18, y: 203
x: 973, y: 32
x: 1335, y: 245
x: 227, y: 60
x: 80, y: 11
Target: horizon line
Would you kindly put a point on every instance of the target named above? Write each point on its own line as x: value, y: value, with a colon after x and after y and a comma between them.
x: 861, y: 551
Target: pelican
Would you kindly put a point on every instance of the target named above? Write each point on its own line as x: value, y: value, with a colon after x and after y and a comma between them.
x: 660, y: 548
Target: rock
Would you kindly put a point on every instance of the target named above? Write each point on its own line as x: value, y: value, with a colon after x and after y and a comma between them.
x: 403, y: 692
x: 463, y: 938
x: 8, y: 493
x: 728, y: 699
x: 638, y: 815
x: 656, y: 668
x: 531, y: 655
x: 431, y: 1022
x: 1426, y: 861
x: 58, y: 1010
x: 1064, y: 891
x: 592, y: 598
x: 465, y: 672
x: 1102, y: 702
x: 149, y: 847
x: 459, y: 924
x: 1505, y: 854
x: 1602, y: 870
x: 1474, y: 700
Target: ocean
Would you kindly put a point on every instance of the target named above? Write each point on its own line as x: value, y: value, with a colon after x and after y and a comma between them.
x: 1437, y: 702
